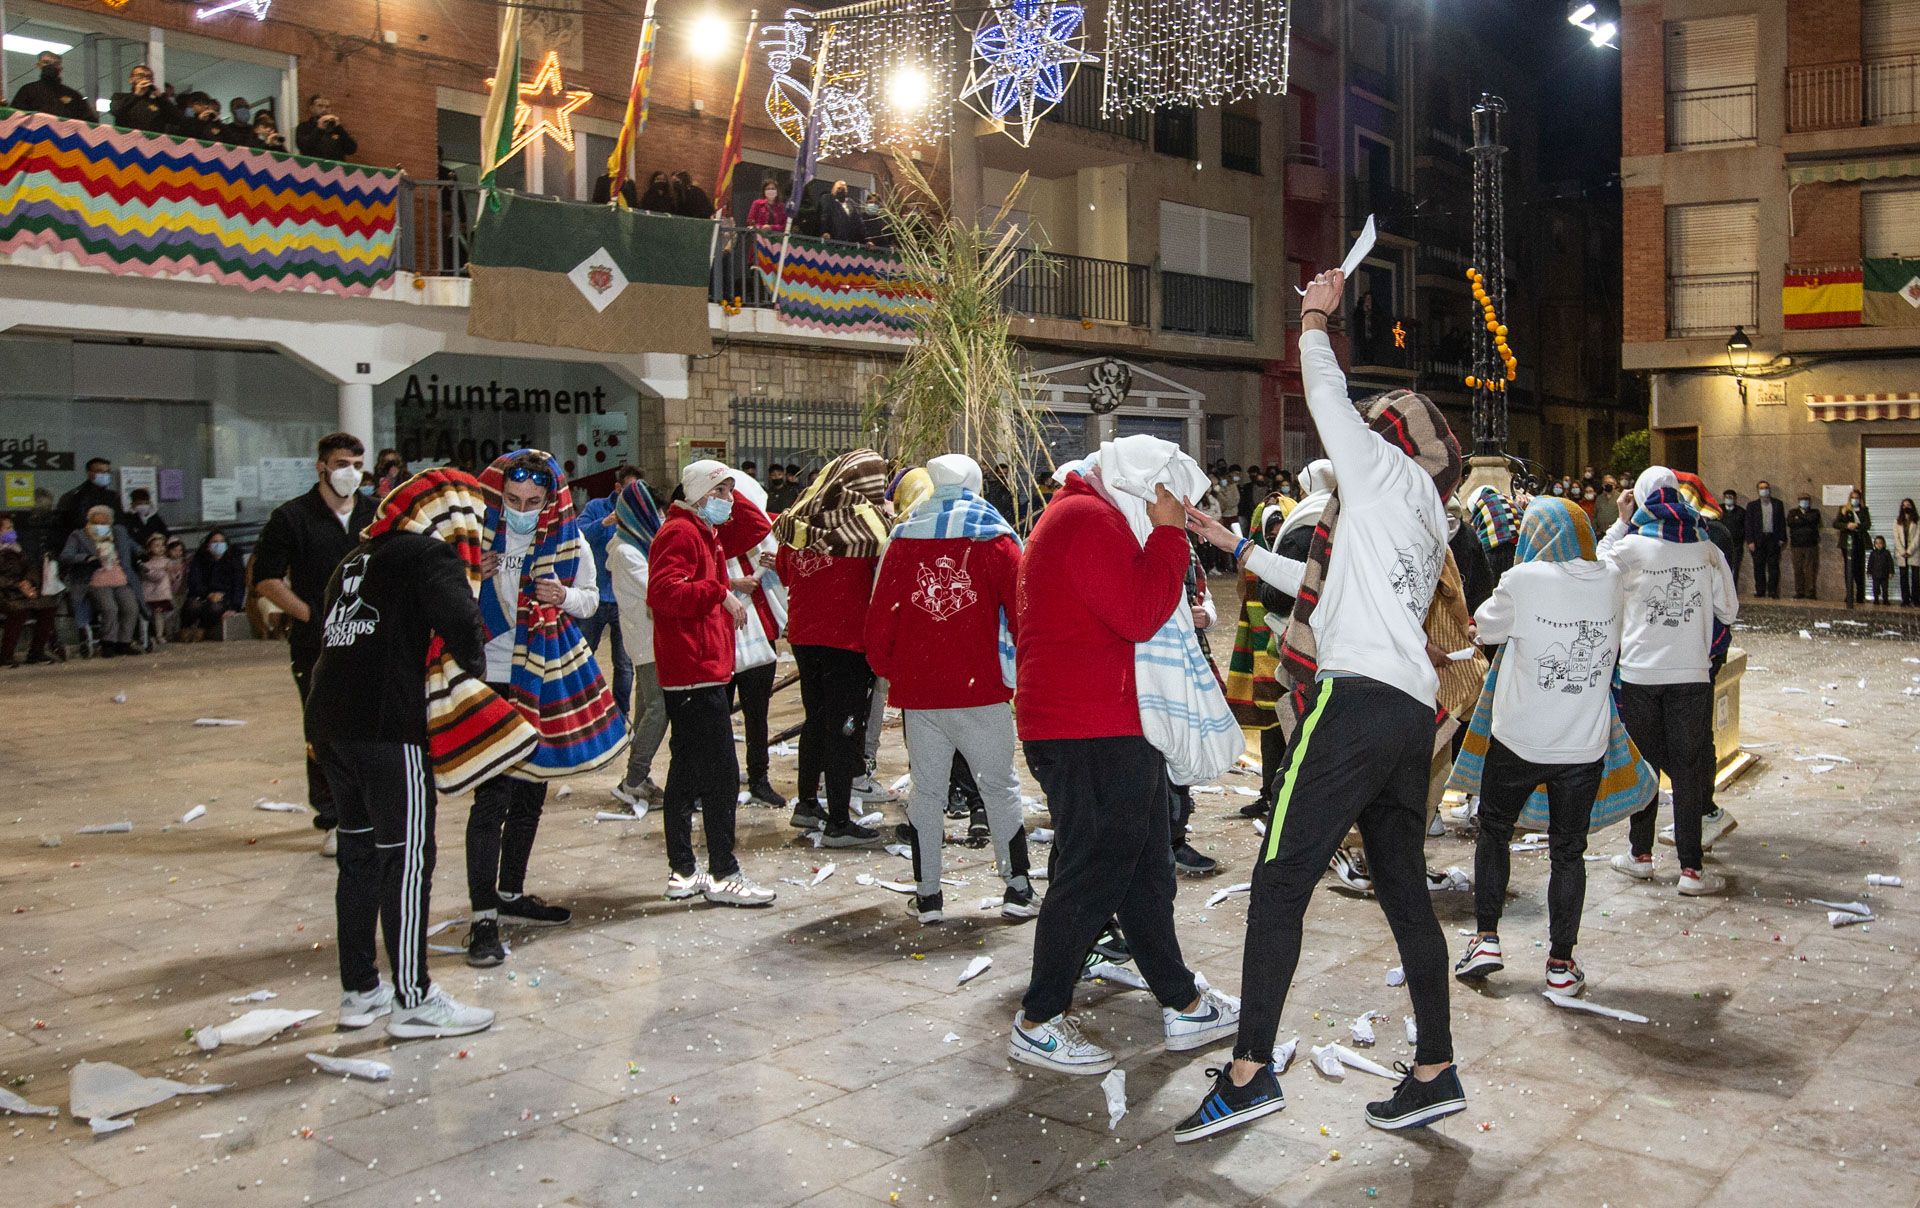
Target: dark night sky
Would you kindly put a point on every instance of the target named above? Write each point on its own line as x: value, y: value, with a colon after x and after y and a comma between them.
x: 1580, y: 83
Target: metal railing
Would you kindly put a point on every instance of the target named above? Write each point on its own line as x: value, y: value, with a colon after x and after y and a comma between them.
x: 1892, y: 90
x: 1711, y: 117
x: 1206, y: 306
x: 1825, y: 96
x: 1176, y: 133
x: 1081, y: 108
x: 1078, y: 287
x: 1305, y: 154
x: 1240, y: 142
x: 436, y: 226
x: 1712, y: 303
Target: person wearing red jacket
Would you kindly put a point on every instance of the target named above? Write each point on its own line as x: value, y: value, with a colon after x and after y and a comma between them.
x: 942, y: 608
x: 1095, y: 581
x: 695, y: 613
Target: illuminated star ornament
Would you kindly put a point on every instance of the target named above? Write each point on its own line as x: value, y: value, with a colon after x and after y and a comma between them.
x: 531, y: 119
x: 257, y: 9
x: 1025, y: 54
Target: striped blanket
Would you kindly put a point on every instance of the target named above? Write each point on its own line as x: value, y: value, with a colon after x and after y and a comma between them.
x: 1252, y: 680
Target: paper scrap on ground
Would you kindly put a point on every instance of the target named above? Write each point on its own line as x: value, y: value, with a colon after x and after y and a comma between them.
x: 826, y: 870
x: 1860, y: 908
x: 975, y: 967
x: 902, y: 850
x: 1821, y: 757
x: 1115, y: 1085
x: 867, y: 878
x: 198, y: 811
x: 106, y: 828
x: 250, y: 1029
x: 1846, y: 918
x: 446, y: 925
x: 280, y: 807
x: 1040, y: 834
x: 10, y: 1102
x: 1208, y: 788
x: 1366, y: 1065
x: 102, y: 1090
x: 1361, y: 247
x: 1397, y: 976
x: 1328, y: 1062
x: 256, y: 996
x: 217, y: 721
x: 1530, y: 843
x: 1805, y: 636
x: 353, y: 1067
x: 1119, y: 975
x: 1836, y: 721
x: 1413, y: 1031
x: 1887, y: 879
x: 1455, y: 878
x: 1283, y: 1056
x: 1362, y: 1029
x: 617, y: 816
x: 1570, y: 1003
x: 950, y: 1038
x: 101, y: 1126
x: 1221, y: 895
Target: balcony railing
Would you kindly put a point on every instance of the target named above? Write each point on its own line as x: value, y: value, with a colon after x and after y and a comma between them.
x: 1837, y: 96
x: 1305, y: 154
x: 1393, y: 207
x: 1206, y: 306
x: 1240, y: 143
x: 436, y: 226
x: 1712, y: 304
x: 1078, y: 287
x: 1081, y: 108
x: 1711, y: 117
x: 1176, y: 133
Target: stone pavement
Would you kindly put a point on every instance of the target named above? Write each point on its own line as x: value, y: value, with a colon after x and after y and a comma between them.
x: 821, y: 1052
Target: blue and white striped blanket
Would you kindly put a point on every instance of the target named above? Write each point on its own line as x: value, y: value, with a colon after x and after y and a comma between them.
x: 1183, y: 711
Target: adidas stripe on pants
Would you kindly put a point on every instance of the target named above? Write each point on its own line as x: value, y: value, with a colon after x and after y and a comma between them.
x: 385, y: 797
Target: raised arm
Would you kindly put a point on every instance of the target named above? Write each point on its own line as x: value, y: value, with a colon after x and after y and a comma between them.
x: 1360, y: 458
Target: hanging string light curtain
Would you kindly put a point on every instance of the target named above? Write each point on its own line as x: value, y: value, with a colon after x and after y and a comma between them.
x: 895, y: 66
x: 1163, y: 53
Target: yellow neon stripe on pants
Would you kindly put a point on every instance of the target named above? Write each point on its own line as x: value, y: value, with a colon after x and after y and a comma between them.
x: 1285, y: 796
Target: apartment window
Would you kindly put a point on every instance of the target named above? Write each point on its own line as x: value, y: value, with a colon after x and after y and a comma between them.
x: 1373, y: 53
x: 1890, y: 45
x: 1239, y: 142
x: 1205, y: 243
x: 1890, y: 224
x: 1176, y: 133
x: 1712, y: 268
x: 1710, y: 82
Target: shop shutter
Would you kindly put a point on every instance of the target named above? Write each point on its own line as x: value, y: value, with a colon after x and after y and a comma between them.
x: 1714, y: 53
x: 1893, y: 474
x: 1890, y: 223
x: 1183, y: 239
x: 1229, y: 246
x: 1713, y: 240
x: 1890, y: 28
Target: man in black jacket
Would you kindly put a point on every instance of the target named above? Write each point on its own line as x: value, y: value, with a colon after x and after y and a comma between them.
x: 143, y: 106
x: 414, y: 578
x: 302, y: 542
x: 843, y: 222
x: 1766, y: 531
x: 48, y: 95
x: 1803, y: 538
x: 1734, y: 515
x: 321, y: 135
x: 95, y: 491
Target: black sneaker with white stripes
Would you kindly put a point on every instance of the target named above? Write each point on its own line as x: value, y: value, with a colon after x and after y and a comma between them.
x: 1416, y: 1104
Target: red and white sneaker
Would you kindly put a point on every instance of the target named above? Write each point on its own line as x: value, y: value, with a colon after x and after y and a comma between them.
x: 1698, y: 883
x: 1565, y: 977
x: 1482, y: 957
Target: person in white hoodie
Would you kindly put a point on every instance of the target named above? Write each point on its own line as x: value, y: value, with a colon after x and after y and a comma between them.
x: 1557, y: 613
x: 1678, y: 588
x: 636, y: 518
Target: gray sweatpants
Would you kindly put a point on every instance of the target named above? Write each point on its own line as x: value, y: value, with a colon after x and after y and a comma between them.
x: 984, y: 735
x: 649, y: 722
x: 876, y: 718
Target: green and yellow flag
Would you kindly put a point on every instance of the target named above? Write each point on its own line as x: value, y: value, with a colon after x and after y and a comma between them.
x: 1890, y: 293
x: 497, y: 126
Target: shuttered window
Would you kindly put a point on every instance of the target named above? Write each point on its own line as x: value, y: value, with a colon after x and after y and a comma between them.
x: 1205, y: 243
x: 1893, y: 474
x: 1890, y: 223
x: 1712, y: 267
x: 1889, y: 28
x: 1710, y: 82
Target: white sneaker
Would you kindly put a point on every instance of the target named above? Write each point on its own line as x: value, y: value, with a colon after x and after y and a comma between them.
x: 359, y: 1010
x: 1700, y: 884
x: 1713, y: 828
x: 1570, y: 981
x: 1627, y: 866
x: 1057, y: 1045
x: 330, y: 844
x: 681, y: 886
x: 1481, y: 959
x: 1467, y: 810
x: 737, y: 890
x: 440, y: 1015
x: 866, y: 788
x: 1216, y: 1018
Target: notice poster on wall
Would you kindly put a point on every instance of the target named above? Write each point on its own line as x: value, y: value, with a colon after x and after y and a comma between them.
x: 1835, y: 495
x: 19, y: 489
x: 284, y: 477
x: 173, y: 484
x: 219, y: 499
x: 137, y: 478
x: 246, y: 481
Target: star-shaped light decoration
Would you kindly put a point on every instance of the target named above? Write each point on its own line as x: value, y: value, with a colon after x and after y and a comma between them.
x: 257, y: 9
x: 1025, y: 54
x: 531, y: 120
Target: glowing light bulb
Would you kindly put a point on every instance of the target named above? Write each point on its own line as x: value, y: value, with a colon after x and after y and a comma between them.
x: 909, y: 89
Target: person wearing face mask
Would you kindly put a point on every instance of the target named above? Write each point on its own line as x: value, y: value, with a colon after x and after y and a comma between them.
x: 843, y: 221
x: 47, y: 94
x: 21, y: 603
x: 695, y: 613
x: 304, y: 539
x: 1733, y: 514
x: 95, y: 490
x: 1803, y: 539
x: 143, y: 106
x: 1906, y: 552
x: 216, y: 586
x: 1854, y: 525
x: 101, y: 558
x: 1766, y: 533
x: 1590, y: 500
x: 146, y: 522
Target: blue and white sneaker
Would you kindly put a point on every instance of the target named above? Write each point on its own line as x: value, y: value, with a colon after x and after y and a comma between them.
x: 1215, y: 1019
x: 1229, y: 1106
x: 1057, y: 1045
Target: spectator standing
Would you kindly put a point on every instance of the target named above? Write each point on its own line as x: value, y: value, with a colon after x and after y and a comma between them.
x: 843, y: 221
x: 1733, y: 514
x: 1803, y: 538
x: 603, y: 192
x: 1906, y: 551
x: 216, y: 586
x: 658, y: 198
x: 689, y: 199
x: 597, y: 530
x: 321, y: 135
x: 304, y: 539
x: 48, y: 95
x: 21, y: 603
x: 1854, y: 525
x: 145, y: 522
x: 1880, y: 570
x: 636, y: 518
x: 389, y: 471
x: 99, y: 557
x: 143, y: 106
x: 96, y: 490
x: 156, y: 586
x: 767, y: 213
x: 1766, y: 533
x: 780, y: 492
x: 755, y: 660
x: 1253, y: 488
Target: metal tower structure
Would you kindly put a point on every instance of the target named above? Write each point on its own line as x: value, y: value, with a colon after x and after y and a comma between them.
x: 1489, y: 368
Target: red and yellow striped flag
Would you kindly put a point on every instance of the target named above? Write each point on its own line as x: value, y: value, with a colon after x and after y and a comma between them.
x: 730, y: 149
x: 620, y: 163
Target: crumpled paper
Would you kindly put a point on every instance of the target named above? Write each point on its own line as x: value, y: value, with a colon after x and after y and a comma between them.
x: 1397, y: 976
x: 255, y: 1027
x: 10, y: 1102
x: 1413, y: 1031
x: 1368, y: 1065
x: 1283, y: 1056
x: 826, y: 870
x: 975, y: 967
x: 1115, y: 1086
x: 1328, y: 1062
x: 353, y: 1067
x: 1220, y: 895
x: 1119, y: 975
x: 1845, y: 914
x: 101, y: 1090
x: 1885, y: 879
x: 1362, y: 1029
x: 198, y: 811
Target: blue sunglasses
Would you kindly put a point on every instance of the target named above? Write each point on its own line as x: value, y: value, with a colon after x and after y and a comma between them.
x: 530, y: 474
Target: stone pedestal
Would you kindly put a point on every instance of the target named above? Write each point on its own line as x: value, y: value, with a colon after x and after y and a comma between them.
x: 1730, y: 762
x: 1489, y: 472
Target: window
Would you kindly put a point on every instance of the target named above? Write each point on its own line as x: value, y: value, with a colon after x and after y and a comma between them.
x: 1205, y: 243
x: 1890, y: 224
x: 1373, y: 53
x: 1239, y: 142
x: 1712, y: 268
x: 1176, y: 133
x: 1890, y: 40
x: 459, y: 135
x: 1710, y: 82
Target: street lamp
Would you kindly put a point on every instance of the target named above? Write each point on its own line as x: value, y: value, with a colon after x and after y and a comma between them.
x: 1585, y: 17
x: 1739, y: 357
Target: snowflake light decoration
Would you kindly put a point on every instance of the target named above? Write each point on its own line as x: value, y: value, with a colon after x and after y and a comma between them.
x: 1025, y: 54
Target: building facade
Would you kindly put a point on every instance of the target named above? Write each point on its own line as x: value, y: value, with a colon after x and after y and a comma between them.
x: 1768, y: 188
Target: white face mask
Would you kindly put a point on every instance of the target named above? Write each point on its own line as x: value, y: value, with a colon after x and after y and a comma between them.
x: 344, y: 481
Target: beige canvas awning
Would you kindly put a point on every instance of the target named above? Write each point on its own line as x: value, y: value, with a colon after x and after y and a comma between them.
x: 1857, y: 169
x: 1841, y: 408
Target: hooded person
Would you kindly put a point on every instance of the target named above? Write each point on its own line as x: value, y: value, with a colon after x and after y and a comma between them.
x: 754, y: 658
x: 1367, y: 695
x: 636, y: 518
x: 538, y: 579
x: 695, y: 617
x: 1253, y: 670
x: 1102, y: 580
x: 396, y: 708
x: 830, y: 545
x: 940, y: 631
x: 1496, y: 522
x: 1681, y: 599
x: 1546, y: 717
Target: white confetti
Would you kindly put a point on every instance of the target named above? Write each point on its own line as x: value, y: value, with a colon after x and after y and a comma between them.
x: 1115, y: 1086
x: 198, y: 811
x: 975, y: 967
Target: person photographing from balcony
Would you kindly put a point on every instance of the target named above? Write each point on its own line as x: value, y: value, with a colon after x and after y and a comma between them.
x: 321, y: 135
x: 266, y: 132
x: 48, y: 95
x: 143, y: 106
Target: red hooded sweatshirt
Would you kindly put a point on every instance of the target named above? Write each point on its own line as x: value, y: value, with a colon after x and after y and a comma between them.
x: 1088, y: 593
x: 933, y: 628
x: 686, y: 582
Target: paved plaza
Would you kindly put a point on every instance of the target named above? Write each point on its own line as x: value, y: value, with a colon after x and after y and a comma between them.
x: 822, y: 1052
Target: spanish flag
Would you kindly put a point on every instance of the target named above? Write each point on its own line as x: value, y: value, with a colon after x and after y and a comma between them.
x: 1822, y: 299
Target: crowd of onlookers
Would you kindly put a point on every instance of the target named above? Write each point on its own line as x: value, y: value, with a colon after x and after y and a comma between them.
x: 148, y: 106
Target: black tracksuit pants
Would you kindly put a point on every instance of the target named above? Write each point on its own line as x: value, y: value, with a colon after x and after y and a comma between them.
x: 835, y: 685
x: 1112, y: 857
x: 1361, y: 755
x: 1672, y: 724
x: 1506, y: 781
x: 501, y: 828
x: 704, y: 771
x: 319, y: 796
x: 753, y: 688
x: 385, y: 796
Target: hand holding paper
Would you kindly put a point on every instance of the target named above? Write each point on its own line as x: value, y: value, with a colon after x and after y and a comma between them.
x: 1355, y: 255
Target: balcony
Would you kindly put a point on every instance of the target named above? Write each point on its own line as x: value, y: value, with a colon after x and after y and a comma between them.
x: 1240, y: 143
x: 1306, y: 179
x: 1176, y: 133
x: 1382, y: 342
x: 1711, y: 304
x: 1392, y: 207
x: 436, y: 226
x: 1711, y: 117
x: 1838, y: 96
x: 1080, y: 108
x: 1206, y: 306
x: 1078, y: 287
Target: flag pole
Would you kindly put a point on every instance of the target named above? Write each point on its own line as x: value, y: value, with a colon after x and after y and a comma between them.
x: 498, y: 124
x: 730, y: 148
x: 620, y: 163
x: 802, y: 179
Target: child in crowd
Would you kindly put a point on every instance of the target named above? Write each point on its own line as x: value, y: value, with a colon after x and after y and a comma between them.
x: 1880, y: 570
x: 157, y: 576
